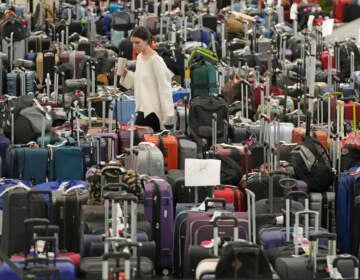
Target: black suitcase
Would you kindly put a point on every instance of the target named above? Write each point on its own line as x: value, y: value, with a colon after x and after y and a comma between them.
x: 19, y: 203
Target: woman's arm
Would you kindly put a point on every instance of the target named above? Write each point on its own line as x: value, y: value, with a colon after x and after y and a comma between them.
x: 127, y: 79
x: 163, y: 80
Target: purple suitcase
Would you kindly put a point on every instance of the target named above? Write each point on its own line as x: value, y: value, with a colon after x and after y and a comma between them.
x: 159, y: 209
x: 113, y: 145
x: 65, y: 266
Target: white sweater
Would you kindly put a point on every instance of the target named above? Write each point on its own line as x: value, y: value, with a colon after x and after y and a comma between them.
x: 151, y: 82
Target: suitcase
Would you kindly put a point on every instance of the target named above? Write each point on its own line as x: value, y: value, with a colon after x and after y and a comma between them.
x: 324, y: 203
x: 125, y: 132
x: 238, y: 152
x: 182, y: 194
x: 233, y: 195
x: 38, y: 43
x: 199, y: 228
x: 27, y: 163
x: 74, y: 58
x: 182, y: 210
x: 123, y: 107
x: 147, y: 159
x: 64, y: 266
x: 168, y: 145
x: 320, y: 134
x: 74, y: 167
x: 158, y: 206
x: 66, y: 210
x: 112, y: 145
x: 19, y: 203
x: 219, y: 224
x: 187, y: 149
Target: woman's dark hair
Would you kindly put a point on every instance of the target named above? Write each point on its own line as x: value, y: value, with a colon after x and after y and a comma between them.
x: 143, y: 33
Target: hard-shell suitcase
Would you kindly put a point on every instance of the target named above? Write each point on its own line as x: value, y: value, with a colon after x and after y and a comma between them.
x: 168, y: 145
x: 320, y: 134
x: 125, y: 135
x: 147, y: 159
x: 233, y: 195
x: 159, y: 212
x: 324, y: 203
x: 74, y: 167
x: 27, y: 163
x: 187, y: 149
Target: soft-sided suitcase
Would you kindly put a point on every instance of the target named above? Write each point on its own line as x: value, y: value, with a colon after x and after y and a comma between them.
x: 239, y: 153
x: 324, y: 203
x: 168, y: 145
x: 159, y: 212
x: 66, y: 163
x: 68, y: 198
x: 187, y: 149
x: 182, y: 194
x: 27, y: 163
x: 64, y: 264
x: 19, y: 203
x: 74, y: 58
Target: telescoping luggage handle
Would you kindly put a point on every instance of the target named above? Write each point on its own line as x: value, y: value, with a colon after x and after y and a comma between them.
x: 297, y: 223
x: 288, y: 198
x: 121, y: 244
x: 313, y: 238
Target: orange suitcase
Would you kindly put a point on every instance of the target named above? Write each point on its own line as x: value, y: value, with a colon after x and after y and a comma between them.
x: 299, y: 132
x: 168, y: 144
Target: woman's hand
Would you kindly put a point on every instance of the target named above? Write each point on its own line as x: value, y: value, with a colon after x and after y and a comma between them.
x: 124, y: 73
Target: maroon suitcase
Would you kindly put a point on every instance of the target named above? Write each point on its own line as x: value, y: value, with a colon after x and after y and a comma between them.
x: 237, y: 152
x: 125, y: 131
x: 74, y: 58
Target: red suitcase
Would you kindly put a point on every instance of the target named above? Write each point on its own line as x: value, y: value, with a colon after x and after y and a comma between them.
x: 325, y: 60
x: 168, y: 144
x: 339, y: 6
x: 233, y: 195
x: 257, y: 93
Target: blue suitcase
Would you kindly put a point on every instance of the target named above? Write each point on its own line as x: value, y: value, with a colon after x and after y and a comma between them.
x: 66, y: 163
x: 65, y: 265
x: 27, y: 163
x: 344, y: 209
x: 123, y: 108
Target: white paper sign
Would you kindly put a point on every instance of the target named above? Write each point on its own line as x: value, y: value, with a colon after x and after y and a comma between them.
x: 327, y: 27
x: 293, y: 11
x: 202, y: 172
x: 310, y: 22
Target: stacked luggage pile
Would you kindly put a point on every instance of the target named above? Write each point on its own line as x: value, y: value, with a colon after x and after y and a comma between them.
x: 259, y: 87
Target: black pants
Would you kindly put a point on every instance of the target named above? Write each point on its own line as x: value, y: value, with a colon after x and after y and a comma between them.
x: 151, y: 120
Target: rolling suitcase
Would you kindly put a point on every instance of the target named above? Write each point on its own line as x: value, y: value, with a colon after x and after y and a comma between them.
x: 159, y: 212
x: 74, y: 167
x: 168, y: 145
x: 27, y: 163
x: 187, y: 149
x: 74, y: 58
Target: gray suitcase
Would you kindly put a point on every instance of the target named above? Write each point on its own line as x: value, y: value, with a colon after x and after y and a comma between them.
x: 187, y: 149
x: 146, y: 158
x: 324, y: 203
x: 182, y: 119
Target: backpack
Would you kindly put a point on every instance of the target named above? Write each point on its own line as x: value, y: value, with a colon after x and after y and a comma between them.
x: 123, y: 21
x: 201, y: 111
x: 203, y: 79
x: 12, y: 24
x: 231, y: 173
x: 345, y: 48
x: 312, y: 164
